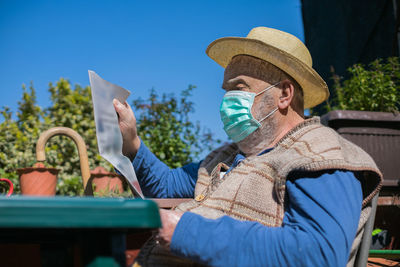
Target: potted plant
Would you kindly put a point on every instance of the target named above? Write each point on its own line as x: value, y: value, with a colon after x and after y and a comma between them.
x: 366, y: 112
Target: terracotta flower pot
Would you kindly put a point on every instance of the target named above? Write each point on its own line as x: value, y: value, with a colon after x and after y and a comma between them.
x: 106, y: 182
x: 38, y: 180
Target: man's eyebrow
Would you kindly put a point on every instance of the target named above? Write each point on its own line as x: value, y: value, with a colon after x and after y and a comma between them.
x: 233, y: 82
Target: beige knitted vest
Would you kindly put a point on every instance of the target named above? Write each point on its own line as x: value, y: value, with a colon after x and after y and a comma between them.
x: 255, y: 189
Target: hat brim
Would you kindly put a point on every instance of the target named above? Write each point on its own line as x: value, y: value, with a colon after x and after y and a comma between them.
x: 314, y: 87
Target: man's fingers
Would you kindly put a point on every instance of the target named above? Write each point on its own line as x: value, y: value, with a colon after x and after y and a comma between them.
x: 117, y: 105
x: 169, y: 219
x: 128, y: 107
x: 121, y: 109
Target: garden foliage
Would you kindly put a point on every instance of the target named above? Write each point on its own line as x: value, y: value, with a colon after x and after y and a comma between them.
x: 375, y: 87
x: 163, y: 124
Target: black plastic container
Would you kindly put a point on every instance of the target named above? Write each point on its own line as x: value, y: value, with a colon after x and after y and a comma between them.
x: 378, y: 133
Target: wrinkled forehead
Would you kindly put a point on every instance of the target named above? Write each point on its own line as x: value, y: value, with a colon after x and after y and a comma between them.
x: 248, y: 66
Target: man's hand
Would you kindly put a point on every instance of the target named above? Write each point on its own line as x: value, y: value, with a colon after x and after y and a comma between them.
x: 127, y: 125
x: 169, y: 219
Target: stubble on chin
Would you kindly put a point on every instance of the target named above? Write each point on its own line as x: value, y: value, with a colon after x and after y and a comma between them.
x: 261, y: 138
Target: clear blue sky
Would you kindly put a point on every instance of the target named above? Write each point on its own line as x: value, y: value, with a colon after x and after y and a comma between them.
x: 135, y: 44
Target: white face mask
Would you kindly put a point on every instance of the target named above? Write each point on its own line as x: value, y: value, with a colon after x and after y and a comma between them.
x: 236, y: 114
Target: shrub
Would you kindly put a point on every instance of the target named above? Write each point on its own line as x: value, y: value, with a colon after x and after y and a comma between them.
x: 163, y: 124
x: 371, y: 88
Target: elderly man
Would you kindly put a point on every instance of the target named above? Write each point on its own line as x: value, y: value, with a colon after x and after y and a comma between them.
x: 288, y: 191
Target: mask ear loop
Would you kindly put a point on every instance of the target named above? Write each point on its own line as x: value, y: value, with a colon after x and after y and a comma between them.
x: 266, y: 89
x: 269, y: 114
x: 275, y: 109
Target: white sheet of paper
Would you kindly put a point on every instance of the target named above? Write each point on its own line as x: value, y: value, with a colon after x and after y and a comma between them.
x: 109, y: 137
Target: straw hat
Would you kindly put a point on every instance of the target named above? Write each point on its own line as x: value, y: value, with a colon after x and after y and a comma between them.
x: 280, y: 49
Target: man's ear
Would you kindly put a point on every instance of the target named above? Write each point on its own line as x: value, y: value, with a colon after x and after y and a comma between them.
x: 286, y: 94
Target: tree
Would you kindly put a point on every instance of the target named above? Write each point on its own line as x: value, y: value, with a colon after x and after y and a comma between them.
x: 163, y: 124
x: 70, y: 108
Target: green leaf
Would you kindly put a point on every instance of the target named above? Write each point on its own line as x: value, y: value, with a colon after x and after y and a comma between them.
x: 372, y: 88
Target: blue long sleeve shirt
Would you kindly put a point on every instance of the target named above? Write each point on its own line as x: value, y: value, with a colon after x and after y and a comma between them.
x: 319, y: 224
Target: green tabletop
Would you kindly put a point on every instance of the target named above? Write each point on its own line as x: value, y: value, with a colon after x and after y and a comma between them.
x: 387, y: 254
x: 77, y: 212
